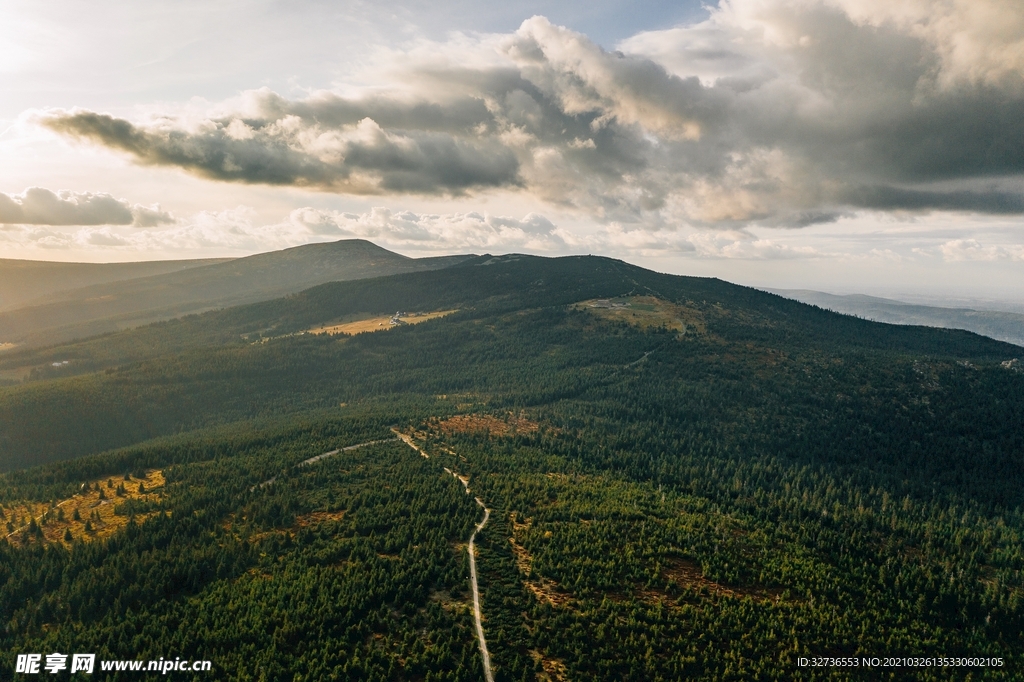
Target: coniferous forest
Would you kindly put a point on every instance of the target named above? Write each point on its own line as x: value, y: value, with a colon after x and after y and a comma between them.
x: 687, y: 479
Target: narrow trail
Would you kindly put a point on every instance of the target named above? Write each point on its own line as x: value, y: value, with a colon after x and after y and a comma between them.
x: 407, y: 439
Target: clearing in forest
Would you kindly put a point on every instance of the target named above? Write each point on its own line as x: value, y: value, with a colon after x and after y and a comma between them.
x: 486, y: 423
x: 552, y: 670
x: 309, y: 520
x: 646, y: 312
x: 358, y: 324
x: 688, y: 574
x: 545, y: 589
x: 6, y: 346
x: 96, y: 505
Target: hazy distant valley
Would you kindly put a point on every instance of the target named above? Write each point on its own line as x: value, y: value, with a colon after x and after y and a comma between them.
x: 1002, y: 325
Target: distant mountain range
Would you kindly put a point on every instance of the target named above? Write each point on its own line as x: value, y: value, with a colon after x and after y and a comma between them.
x: 999, y: 325
x: 42, y: 303
x: 79, y: 300
x: 26, y: 282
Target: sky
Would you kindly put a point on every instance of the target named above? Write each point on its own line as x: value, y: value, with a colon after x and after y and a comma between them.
x: 871, y: 146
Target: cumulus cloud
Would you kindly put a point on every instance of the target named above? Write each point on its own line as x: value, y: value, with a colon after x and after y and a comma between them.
x: 39, y: 206
x: 973, y: 40
x: 469, y: 231
x: 771, y: 112
x: 741, y: 244
x: 237, y: 230
x: 973, y: 250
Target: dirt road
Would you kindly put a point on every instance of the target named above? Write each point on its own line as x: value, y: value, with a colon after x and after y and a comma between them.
x: 476, y: 593
x: 477, y: 614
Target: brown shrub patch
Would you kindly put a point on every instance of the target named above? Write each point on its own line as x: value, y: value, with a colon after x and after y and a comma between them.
x: 553, y: 669
x: 314, y: 518
x: 686, y: 573
x: 544, y: 589
x: 511, y: 424
x: 301, y: 521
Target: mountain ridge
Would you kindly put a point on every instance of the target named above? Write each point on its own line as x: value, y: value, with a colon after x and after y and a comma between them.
x: 753, y: 323
x: 99, y: 308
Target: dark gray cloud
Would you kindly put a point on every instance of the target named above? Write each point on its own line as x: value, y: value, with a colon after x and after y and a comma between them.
x: 897, y: 198
x: 39, y: 206
x: 354, y: 154
x: 772, y: 112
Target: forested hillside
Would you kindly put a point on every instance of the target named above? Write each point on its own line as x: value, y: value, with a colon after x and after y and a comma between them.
x: 687, y: 478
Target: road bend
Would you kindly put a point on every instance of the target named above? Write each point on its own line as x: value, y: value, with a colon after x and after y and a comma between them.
x: 477, y: 613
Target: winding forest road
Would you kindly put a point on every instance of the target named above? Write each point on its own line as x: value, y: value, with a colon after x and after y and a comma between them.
x: 476, y: 593
x: 477, y: 614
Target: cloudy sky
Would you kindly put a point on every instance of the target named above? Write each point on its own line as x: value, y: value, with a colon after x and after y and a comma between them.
x: 840, y: 145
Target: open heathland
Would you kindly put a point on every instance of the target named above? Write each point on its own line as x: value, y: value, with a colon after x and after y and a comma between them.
x: 377, y: 323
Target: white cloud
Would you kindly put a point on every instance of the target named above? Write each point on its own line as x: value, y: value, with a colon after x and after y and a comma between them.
x: 973, y: 250
x: 39, y: 206
x: 237, y: 230
x: 433, y: 232
x: 741, y: 244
